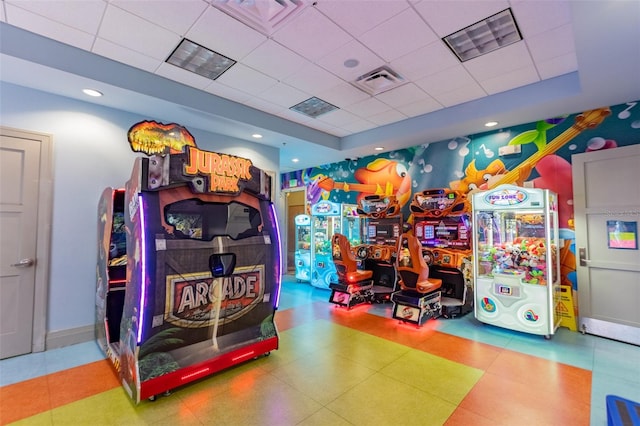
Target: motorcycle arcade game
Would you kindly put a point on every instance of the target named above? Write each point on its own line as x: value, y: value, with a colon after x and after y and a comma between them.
x: 202, y: 264
x: 442, y: 224
x: 376, y: 276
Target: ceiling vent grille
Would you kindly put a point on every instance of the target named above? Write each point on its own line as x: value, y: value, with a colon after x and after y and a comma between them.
x: 313, y: 107
x: 379, y: 80
x: 265, y: 16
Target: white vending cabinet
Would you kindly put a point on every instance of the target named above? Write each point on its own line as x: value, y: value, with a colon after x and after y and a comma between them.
x: 515, y: 256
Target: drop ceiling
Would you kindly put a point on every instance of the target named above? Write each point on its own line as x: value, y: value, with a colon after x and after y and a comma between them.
x: 574, y: 55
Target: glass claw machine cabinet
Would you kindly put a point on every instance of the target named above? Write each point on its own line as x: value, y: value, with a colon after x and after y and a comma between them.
x: 302, y: 256
x: 329, y: 218
x: 516, y: 267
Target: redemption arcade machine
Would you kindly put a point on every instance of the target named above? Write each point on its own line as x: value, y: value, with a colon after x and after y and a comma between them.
x: 302, y: 256
x: 516, y: 263
x: 203, y: 264
x: 381, y: 224
x: 442, y: 223
x: 327, y: 219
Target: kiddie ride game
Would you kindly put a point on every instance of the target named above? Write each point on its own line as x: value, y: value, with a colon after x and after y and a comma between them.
x: 442, y: 224
x: 197, y: 231
x: 516, y: 265
x: 368, y: 272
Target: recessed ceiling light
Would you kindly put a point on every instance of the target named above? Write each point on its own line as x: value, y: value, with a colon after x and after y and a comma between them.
x: 257, y: 135
x: 379, y: 148
x: 490, y: 34
x: 295, y: 160
x: 92, y: 92
x: 491, y: 123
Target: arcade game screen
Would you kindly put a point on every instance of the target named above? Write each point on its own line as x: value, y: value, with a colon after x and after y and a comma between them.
x: 445, y: 232
x: 199, y: 220
x: 381, y: 231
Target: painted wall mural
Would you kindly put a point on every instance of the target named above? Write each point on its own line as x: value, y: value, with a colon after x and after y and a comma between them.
x: 532, y: 155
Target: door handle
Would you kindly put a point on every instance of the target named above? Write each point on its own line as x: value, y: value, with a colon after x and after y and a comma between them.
x: 582, y: 254
x: 24, y: 263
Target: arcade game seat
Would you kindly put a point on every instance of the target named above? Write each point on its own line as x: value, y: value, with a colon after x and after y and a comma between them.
x: 354, y: 285
x: 419, y: 297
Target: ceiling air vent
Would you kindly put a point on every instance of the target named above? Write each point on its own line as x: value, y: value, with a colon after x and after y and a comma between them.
x: 265, y: 16
x: 379, y: 80
x: 313, y: 107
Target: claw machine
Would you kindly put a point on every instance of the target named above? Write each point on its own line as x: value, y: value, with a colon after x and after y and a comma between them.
x: 328, y: 218
x: 515, y: 259
x: 302, y: 256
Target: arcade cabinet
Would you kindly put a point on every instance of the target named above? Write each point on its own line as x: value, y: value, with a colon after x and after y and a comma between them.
x: 354, y: 285
x: 302, y: 256
x: 203, y: 265
x: 442, y: 223
x: 516, y: 262
x: 381, y: 223
x: 419, y: 297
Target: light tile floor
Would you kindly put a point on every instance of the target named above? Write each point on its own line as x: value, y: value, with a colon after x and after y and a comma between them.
x: 338, y: 367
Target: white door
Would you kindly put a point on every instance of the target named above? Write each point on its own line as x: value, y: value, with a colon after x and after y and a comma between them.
x: 20, y: 166
x: 606, y: 196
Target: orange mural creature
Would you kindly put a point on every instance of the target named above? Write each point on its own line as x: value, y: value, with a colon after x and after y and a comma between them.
x: 380, y: 177
x: 477, y: 179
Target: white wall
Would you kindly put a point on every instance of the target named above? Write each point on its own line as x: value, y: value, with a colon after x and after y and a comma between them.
x: 90, y: 153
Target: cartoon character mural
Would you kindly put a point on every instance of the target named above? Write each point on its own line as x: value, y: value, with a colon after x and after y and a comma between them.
x: 472, y: 162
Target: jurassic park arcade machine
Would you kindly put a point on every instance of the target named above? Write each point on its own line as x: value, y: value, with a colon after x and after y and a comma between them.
x: 203, y: 267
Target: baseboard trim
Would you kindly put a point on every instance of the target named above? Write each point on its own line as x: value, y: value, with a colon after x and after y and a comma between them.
x: 71, y: 336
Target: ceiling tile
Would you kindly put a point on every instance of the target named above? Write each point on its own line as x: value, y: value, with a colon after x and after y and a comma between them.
x: 370, y: 106
x: 126, y: 56
x: 274, y: 60
x: 358, y: 17
x: 557, y: 66
x: 398, y: 36
x: 246, y: 79
x: 227, y: 92
x: 48, y: 28
x: 403, y: 95
x: 460, y: 95
x: 446, y: 17
x: 535, y: 17
x: 125, y: 29
x: 358, y: 126
x: 510, y: 80
x: 446, y: 81
x: 510, y: 58
x: 338, y: 117
x: 342, y: 95
x: 313, y: 79
x: 423, y: 106
x: 183, y: 76
x: 323, y: 127
x: 427, y: 60
x: 219, y: 32
x: 264, y: 105
x: 311, y: 35
x: 284, y: 95
x: 83, y: 15
x: 176, y: 16
x: 335, y: 61
x: 387, y: 117
x: 294, y: 116
x: 556, y: 42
